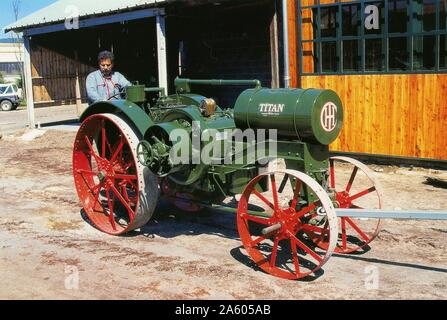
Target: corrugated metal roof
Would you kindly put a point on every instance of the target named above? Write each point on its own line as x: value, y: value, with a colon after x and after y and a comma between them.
x: 59, y: 11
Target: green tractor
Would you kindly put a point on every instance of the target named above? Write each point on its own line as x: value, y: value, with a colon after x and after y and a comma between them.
x: 185, y: 148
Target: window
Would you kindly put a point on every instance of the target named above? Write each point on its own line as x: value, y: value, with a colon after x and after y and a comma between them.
x: 399, y: 58
x: 7, y: 90
x: 329, y: 56
x: 374, y: 55
x: 351, y: 55
x: 364, y: 36
x: 328, y: 24
x: 443, y: 53
x: 426, y: 13
x: 442, y: 15
x: 424, y: 54
x: 398, y: 16
x: 351, y: 16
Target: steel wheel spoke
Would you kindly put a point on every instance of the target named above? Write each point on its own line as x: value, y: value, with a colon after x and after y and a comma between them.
x: 125, y: 194
x: 283, y: 183
x: 308, y: 227
x: 104, y: 141
x: 296, y: 192
x: 118, y: 150
x: 305, y: 211
x: 87, y: 172
x: 343, y: 233
x: 295, y: 257
x: 92, y: 152
x: 263, y: 199
x: 356, y: 228
x: 258, y: 240
x: 361, y: 194
x: 258, y: 219
x: 124, y: 202
x: 274, y: 252
x: 274, y: 192
x: 96, y: 200
x: 332, y: 173
x: 111, y: 204
x: 126, y: 177
x: 351, y: 180
x: 307, y: 249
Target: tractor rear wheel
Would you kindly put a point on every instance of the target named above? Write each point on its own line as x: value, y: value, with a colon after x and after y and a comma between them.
x: 118, y: 194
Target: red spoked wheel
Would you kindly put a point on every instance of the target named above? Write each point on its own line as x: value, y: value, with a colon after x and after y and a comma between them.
x: 355, y: 187
x: 117, y: 193
x: 274, y: 225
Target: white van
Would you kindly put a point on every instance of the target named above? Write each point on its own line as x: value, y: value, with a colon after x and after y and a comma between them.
x: 9, y: 97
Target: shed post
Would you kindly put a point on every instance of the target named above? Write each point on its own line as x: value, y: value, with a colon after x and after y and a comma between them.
x: 274, y: 49
x: 29, y: 82
x: 78, y: 87
x: 161, y: 53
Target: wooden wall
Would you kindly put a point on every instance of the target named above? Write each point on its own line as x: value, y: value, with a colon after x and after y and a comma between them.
x: 54, y: 76
x: 397, y: 115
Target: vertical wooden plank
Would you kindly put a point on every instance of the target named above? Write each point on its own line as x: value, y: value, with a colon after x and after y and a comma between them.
x: 293, y: 41
x: 398, y: 115
x: 274, y: 49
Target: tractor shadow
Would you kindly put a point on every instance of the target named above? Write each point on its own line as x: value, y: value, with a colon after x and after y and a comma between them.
x: 170, y: 222
x: 436, y: 182
x: 388, y: 262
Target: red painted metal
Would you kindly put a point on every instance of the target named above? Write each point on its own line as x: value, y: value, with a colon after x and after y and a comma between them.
x: 109, y: 180
x: 278, y: 240
x: 355, y: 234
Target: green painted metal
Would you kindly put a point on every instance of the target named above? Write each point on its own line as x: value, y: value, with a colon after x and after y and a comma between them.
x: 136, y: 93
x: 132, y: 112
x: 297, y: 114
x: 161, y: 90
x: 184, y: 85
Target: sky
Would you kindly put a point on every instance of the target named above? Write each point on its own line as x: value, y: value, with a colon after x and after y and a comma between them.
x: 26, y: 7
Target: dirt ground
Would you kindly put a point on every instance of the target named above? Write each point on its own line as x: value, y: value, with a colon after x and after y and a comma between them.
x: 49, y: 251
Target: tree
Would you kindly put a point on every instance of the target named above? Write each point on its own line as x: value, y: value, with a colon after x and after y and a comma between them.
x: 2, y: 80
x: 17, y: 39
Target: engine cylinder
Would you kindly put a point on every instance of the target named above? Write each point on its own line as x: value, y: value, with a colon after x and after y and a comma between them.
x: 309, y: 115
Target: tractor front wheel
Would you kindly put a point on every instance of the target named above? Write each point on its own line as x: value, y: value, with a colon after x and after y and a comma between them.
x: 276, y: 227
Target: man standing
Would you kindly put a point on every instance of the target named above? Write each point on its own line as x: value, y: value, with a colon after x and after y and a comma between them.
x: 105, y: 84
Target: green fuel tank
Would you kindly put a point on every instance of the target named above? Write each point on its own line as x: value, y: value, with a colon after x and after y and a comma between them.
x: 309, y: 115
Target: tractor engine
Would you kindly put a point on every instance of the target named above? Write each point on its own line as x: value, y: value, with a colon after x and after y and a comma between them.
x: 307, y: 119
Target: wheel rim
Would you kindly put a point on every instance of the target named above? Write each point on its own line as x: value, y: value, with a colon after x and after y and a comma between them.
x: 6, y: 106
x: 109, y: 180
x: 279, y: 240
x: 358, y: 189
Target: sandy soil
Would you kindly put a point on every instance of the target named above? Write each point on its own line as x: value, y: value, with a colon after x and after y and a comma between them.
x: 49, y: 251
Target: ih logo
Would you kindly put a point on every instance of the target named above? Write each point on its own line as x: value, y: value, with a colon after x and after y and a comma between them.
x: 329, y: 117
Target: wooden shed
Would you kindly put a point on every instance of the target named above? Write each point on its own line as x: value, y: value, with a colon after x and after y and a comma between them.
x: 385, y: 58
x: 388, y: 62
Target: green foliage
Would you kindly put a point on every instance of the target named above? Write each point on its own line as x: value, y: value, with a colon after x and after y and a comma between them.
x: 2, y: 80
x: 19, y: 82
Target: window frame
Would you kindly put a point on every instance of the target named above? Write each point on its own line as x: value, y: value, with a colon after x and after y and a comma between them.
x: 385, y: 36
